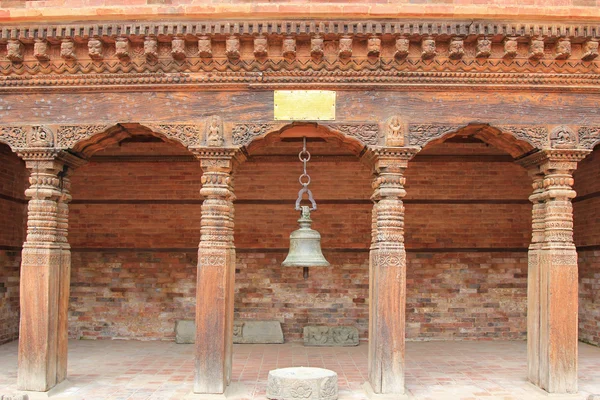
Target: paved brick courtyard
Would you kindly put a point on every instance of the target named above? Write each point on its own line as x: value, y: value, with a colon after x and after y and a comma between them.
x: 133, y: 370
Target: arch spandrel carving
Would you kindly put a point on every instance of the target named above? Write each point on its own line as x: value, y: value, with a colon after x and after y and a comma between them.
x: 514, y: 139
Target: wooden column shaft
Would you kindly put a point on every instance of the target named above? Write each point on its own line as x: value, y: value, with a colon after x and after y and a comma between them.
x: 45, y: 272
x: 216, y: 273
x: 387, y: 272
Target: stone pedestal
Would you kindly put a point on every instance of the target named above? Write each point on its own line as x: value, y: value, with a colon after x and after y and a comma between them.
x: 302, y: 383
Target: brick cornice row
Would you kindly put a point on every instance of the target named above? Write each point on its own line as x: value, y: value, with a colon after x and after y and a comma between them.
x: 269, y: 54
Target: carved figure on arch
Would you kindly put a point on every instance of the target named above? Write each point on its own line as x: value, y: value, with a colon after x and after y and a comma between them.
x: 214, y: 131
x: 394, y: 132
x: 40, y: 136
x: 563, y: 137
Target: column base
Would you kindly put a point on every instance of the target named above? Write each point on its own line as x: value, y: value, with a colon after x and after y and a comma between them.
x: 558, y: 396
x: 234, y: 390
x: 382, y: 396
x: 59, y: 392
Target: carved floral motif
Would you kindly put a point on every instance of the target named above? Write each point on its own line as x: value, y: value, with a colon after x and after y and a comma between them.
x: 366, y: 133
x: 420, y: 135
x: 535, y: 135
x: 14, y: 136
x: 243, y: 134
x: 188, y: 135
x: 589, y: 136
x: 68, y: 135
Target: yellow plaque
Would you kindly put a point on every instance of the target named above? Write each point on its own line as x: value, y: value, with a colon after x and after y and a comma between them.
x: 304, y: 105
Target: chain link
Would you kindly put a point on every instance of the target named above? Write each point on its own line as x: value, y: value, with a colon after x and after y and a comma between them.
x: 304, y: 179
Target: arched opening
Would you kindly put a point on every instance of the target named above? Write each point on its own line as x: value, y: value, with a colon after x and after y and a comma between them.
x: 468, y: 228
x: 134, y: 231
x: 13, y: 215
x: 266, y: 187
x: 586, y: 218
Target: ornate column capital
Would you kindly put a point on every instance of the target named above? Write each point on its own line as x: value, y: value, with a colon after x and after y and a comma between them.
x: 218, y: 158
x: 553, y: 159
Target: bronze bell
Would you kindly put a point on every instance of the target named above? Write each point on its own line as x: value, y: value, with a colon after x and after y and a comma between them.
x: 305, y: 246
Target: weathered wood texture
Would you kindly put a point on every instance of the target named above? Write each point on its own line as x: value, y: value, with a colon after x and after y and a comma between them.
x: 216, y: 274
x: 553, y: 283
x: 244, y: 107
x: 387, y: 269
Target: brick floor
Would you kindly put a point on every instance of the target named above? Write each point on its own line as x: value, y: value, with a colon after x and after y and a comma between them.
x: 132, y: 370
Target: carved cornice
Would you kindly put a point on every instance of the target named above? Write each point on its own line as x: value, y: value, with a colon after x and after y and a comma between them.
x: 269, y: 54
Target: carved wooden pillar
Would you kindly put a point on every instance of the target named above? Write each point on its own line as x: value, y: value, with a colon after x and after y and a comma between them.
x: 387, y: 272
x: 45, y: 271
x: 216, y: 272
x: 552, y: 281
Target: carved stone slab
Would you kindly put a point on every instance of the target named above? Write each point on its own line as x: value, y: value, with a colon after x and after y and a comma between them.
x: 257, y: 332
x: 243, y: 332
x: 330, y: 336
x: 185, y: 332
x: 302, y: 383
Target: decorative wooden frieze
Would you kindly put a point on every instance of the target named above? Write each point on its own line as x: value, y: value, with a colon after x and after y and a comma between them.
x: 189, y: 135
x: 563, y: 49
x: 421, y: 134
x: 366, y: 133
x: 345, y: 47
x: 40, y: 50
x: 374, y: 46
x: 14, y: 136
x: 122, y: 48
x: 95, y: 49
x: 67, y: 49
x: 151, y: 48
x: 537, y: 136
x: 232, y: 47
x: 590, y: 50
x: 510, y: 47
x: 402, y: 47
x: 244, y: 134
x: 456, y: 49
x: 67, y: 136
x: 204, y: 47
x: 589, y: 136
x: 428, y: 48
x: 536, y: 49
x: 214, y: 131
x: 14, y: 51
x: 484, y: 47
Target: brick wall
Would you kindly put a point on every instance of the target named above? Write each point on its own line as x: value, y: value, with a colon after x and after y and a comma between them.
x: 587, y: 238
x: 467, y: 224
x: 12, y: 234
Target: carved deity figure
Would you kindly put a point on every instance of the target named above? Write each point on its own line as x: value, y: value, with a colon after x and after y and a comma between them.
x: 562, y: 137
x: 510, y: 47
x: 122, y: 48
x: 67, y: 50
x: 345, y: 49
x: 395, y: 132
x: 214, y: 131
x: 402, y: 47
x: 289, y: 47
x: 95, y: 49
x: 563, y: 49
x: 428, y: 49
x: 178, y: 48
x: 536, y: 49
x: 14, y: 50
x: 151, y: 48
x: 590, y: 50
x: 261, y: 47
x: 40, y: 50
x: 374, y: 46
x: 456, y: 49
x: 232, y: 47
x: 484, y: 47
x: 317, y: 46
x: 204, y: 47
x: 40, y: 136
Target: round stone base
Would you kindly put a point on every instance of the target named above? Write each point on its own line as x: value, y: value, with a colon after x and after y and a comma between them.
x: 302, y: 383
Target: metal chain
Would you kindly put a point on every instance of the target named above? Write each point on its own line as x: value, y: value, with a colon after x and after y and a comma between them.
x: 304, y: 156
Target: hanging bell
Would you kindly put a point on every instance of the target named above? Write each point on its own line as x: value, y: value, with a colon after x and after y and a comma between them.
x: 305, y: 245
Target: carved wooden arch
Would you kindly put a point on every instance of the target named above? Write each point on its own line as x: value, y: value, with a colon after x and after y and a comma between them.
x: 354, y: 136
x: 88, y: 139
x: 516, y: 140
